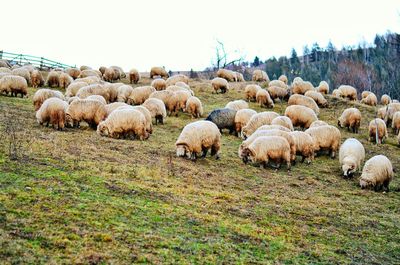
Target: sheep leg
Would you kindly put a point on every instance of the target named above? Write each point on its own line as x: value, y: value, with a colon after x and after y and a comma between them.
x: 333, y: 154
x: 204, y: 153
x: 288, y: 165
x: 386, y: 185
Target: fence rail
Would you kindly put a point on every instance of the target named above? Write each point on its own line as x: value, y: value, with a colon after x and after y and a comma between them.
x: 40, y: 62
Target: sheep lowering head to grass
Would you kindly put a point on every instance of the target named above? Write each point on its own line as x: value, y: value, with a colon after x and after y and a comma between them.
x: 377, y: 130
x: 177, y: 78
x: 305, y: 145
x: 263, y: 98
x: 197, y: 138
x: 224, y: 118
x: 158, y: 71
x: 52, y: 111
x: 22, y: 72
x: 157, y: 109
x: 90, y: 111
x: 242, y: 117
x: 297, y: 99
x: 237, y: 104
x: 194, y: 107
x: 167, y: 97
x: 284, y: 79
x: 159, y: 84
x: 134, y: 76
x: 220, y: 84
x: 53, y: 79
x: 396, y: 122
x: 13, y: 84
x: 283, y: 121
x: 351, y: 156
x: 277, y: 92
x: 323, y: 87
x: 301, y: 87
x: 95, y: 89
x: 251, y: 92
x: 370, y: 99
x: 377, y: 173
x: 113, y: 106
x: 258, y: 120
x: 226, y: 74
x: 348, y: 92
x: 124, y: 93
x: 385, y: 99
x: 325, y: 137
x: 300, y: 116
x: 140, y: 94
x: 73, y: 72
x: 260, y: 76
x: 37, y: 79
x: 65, y: 80
x: 42, y: 94
x: 317, y: 97
x: 350, y: 119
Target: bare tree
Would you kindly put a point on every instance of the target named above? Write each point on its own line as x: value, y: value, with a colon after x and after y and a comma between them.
x: 221, y: 56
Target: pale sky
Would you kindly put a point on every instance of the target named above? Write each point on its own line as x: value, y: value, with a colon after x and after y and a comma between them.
x: 182, y: 34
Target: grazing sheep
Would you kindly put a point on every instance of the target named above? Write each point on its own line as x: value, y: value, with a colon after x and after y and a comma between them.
x: 167, y: 97
x: 102, y: 70
x: 260, y: 76
x: 371, y: 99
x: 85, y: 67
x: 277, y: 83
x: 53, y: 79
x: 350, y: 119
x: 42, y: 94
x: 284, y: 79
x: 385, y: 99
x: 73, y: 72
x: 263, y: 98
x: 272, y: 127
x: 124, y: 123
x: 283, y: 121
x: 52, y: 111
x: 396, y: 122
x: 251, y: 92
x: 87, y: 73
x: 175, y: 88
x: 301, y: 116
x: 13, y: 84
x: 159, y: 84
x: 323, y: 87
x: 146, y: 113
x: 390, y: 110
x: 134, y: 76
x: 65, y: 80
x: 157, y: 109
x: 22, y: 72
x: 297, y: 99
x: 95, y: 89
x: 112, y: 89
x: 140, y: 94
x: 113, y: 106
x: 198, y: 137
x: 325, y: 137
x: 365, y: 93
x: 318, y: 123
x: 124, y: 93
x: 220, y: 84
x: 377, y: 128
x: 90, y: 80
x: 158, y: 71
x: 37, y: 79
x: 177, y: 78
x: 267, y: 148
x: 237, y: 104
x: 242, y: 117
x: 182, y: 84
x: 98, y: 98
x: 381, y: 113
x: 90, y: 111
x: 119, y: 71
x: 73, y: 88
x: 224, y: 119
x: 179, y: 100
x: 228, y: 75
x: 377, y: 173
x: 277, y: 92
x: 239, y: 77
x: 111, y: 75
x: 348, y: 92
x: 317, y: 97
x: 301, y: 87
x: 258, y: 120
x: 272, y: 132
x: 304, y: 145
x: 336, y: 93
x: 194, y: 107
x: 351, y: 156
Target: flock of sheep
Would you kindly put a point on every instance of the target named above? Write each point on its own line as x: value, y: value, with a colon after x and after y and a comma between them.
x: 118, y: 110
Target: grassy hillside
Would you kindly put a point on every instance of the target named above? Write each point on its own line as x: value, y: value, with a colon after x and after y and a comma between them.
x: 76, y: 197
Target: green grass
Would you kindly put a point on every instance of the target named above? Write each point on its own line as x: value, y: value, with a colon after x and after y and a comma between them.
x: 76, y: 197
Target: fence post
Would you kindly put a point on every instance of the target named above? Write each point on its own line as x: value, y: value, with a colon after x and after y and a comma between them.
x: 1, y: 54
x: 41, y: 63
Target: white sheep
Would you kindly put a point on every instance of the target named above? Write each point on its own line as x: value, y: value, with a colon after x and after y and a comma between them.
x: 351, y: 156
x: 377, y: 173
x: 52, y: 111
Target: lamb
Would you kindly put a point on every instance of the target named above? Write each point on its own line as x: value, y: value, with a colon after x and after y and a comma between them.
x: 304, y: 145
x: 140, y: 94
x: 37, y: 79
x: 134, y: 76
x: 157, y: 109
x: 251, y: 92
x: 385, y: 99
x: 52, y: 111
x: 194, y: 107
x: 260, y: 76
x: 124, y: 123
x: 257, y: 120
x: 325, y: 137
x: 350, y: 119
x: 266, y: 148
x: 179, y: 100
x: 159, y: 84
x: 167, y: 97
x: 14, y: 84
x: 283, y: 121
x: 297, y: 99
x: 198, y: 137
x: 396, y: 122
x: 98, y: 98
x: 42, y: 94
x: 90, y: 111
x: 53, y: 79
x: 64, y: 80
x: 177, y: 78
x: 377, y: 128
x: 371, y: 99
x: 284, y: 79
x: 220, y: 84
x: 73, y: 88
x: 73, y: 72
x: 301, y: 116
x: 95, y: 89
x: 158, y: 71
x: 318, y: 123
x: 351, y: 156
x: 323, y: 87
x: 317, y: 97
x: 124, y: 92
x: 237, y: 104
x: 278, y: 92
x: 377, y: 173
x: 113, y: 106
x: 242, y: 117
x: 263, y: 98
x: 224, y: 119
x: 348, y: 92
x: 301, y: 87
x: 228, y: 75
x: 22, y: 72
x: 273, y: 132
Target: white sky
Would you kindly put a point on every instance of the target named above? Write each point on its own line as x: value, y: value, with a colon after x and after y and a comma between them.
x: 182, y: 34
